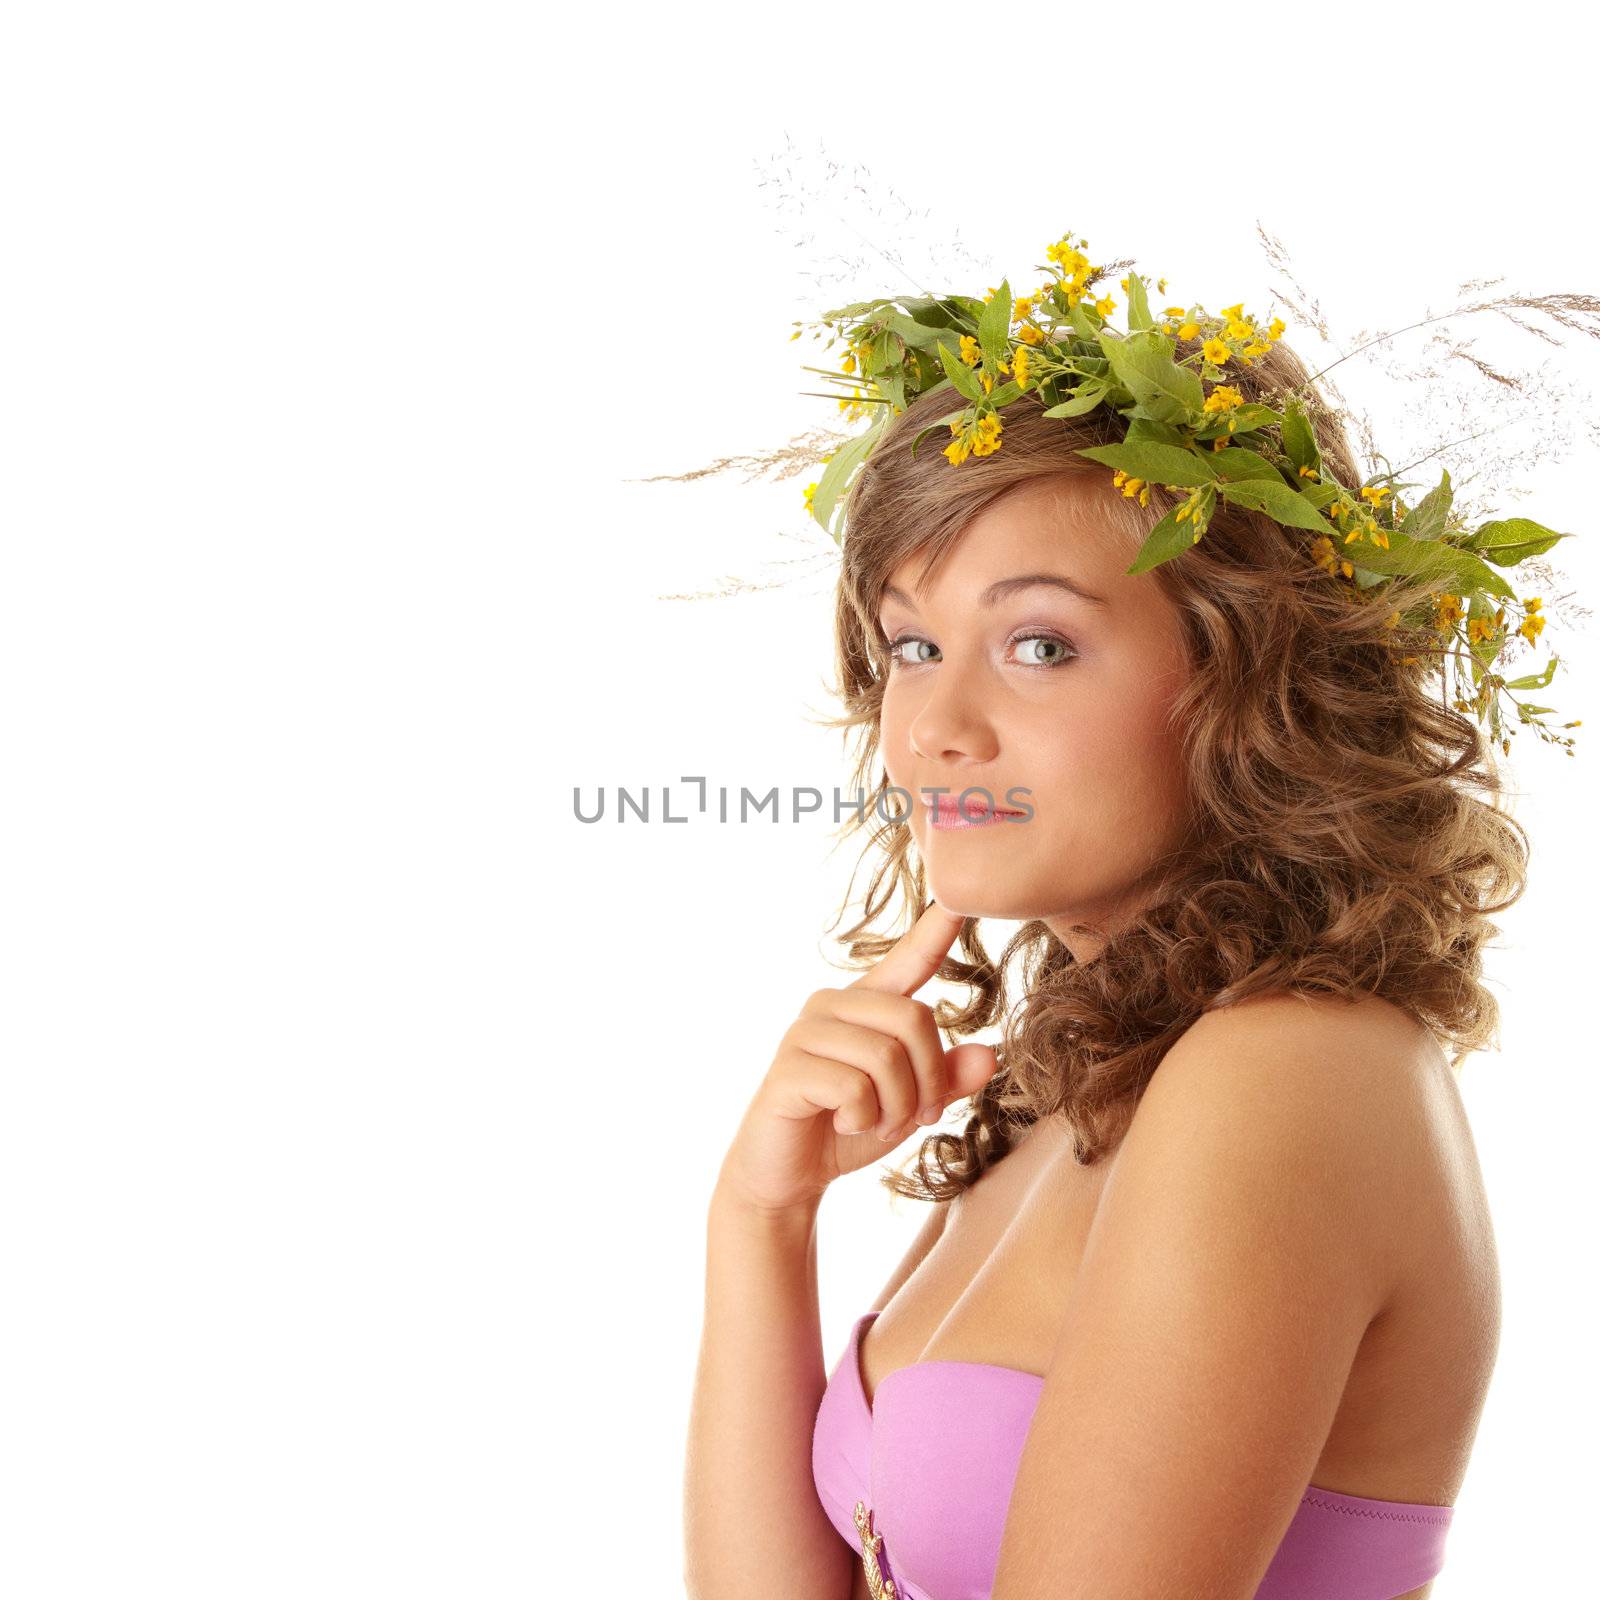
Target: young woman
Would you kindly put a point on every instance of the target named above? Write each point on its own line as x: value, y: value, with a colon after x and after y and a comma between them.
x: 1206, y: 1303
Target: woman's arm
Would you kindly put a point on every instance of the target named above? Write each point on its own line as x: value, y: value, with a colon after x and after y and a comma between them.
x: 752, y: 1518
x: 858, y: 1063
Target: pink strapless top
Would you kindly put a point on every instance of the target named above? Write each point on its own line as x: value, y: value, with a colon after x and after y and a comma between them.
x: 924, y: 1476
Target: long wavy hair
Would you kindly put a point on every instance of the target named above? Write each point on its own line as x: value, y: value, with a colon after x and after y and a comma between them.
x: 1348, y: 834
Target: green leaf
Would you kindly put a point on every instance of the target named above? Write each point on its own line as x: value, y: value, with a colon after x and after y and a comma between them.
x: 960, y: 374
x: 1512, y: 540
x: 1144, y: 367
x: 927, y: 369
x: 1467, y: 574
x: 1086, y: 321
x: 892, y: 385
x: 1005, y: 394
x: 836, y: 476
x: 1280, y: 502
x: 1298, y: 440
x: 1138, y: 306
x: 860, y: 308
x: 1167, y: 539
x: 1084, y: 399
x: 1160, y: 432
x: 1321, y: 495
x: 929, y: 312
x: 1155, y: 463
x: 994, y: 325
x: 887, y: 351
x: 1535, y: 680
x: 916, y: 333
x: 1427, y: 518
x: 1238, y: 463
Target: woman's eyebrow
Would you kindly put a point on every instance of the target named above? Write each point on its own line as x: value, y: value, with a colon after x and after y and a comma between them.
x: 1004, y: 586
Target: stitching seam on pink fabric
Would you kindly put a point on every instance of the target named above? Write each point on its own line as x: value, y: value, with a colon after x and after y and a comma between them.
x: 1382, y: 1516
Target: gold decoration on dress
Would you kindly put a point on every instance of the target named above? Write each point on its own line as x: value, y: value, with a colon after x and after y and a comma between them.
x: 880, y: 1587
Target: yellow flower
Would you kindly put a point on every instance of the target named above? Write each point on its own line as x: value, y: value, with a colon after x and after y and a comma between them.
x: 1161, y: 285
x: 971, y: 352
x: 796, y: 334
x: 1223, y: 398
x: 1375, y: 493
x: 811, y: 489
x: 1030, y: 334
x: 987, y: 439
x: 1176, y: 311
x: 1214, y: 350
x: 849, y: 362
x: 1063, y: 254
x: 988, y: 383
x: 1021, y: 306
x: 1233, y: 312
x: 1239, y: 330
x: 1020, y: 364
x: 1105, y: 305
x: 1188, y: 331
x: 1275, y: 329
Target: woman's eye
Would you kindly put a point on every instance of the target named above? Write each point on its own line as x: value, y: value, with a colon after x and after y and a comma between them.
x: 1062, y: 652
x: 899, y: 645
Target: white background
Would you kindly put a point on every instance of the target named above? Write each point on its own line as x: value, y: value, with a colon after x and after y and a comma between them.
x: 360, y: 1106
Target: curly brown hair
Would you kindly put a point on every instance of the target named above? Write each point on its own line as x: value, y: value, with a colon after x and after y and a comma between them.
x: 1348, y: 834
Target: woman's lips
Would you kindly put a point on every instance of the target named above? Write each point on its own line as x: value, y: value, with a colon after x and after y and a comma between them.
x: 977, y: 811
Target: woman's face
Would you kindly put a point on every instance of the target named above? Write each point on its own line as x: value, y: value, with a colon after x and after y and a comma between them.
x: 1039, y: 699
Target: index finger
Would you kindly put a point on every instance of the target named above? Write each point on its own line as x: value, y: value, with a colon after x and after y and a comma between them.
x: 918, y: 953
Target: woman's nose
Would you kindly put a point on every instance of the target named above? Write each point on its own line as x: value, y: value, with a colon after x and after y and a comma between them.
x: 950, y: 724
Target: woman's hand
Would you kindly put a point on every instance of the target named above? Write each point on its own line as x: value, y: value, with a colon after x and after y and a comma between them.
x: 857, y: 1070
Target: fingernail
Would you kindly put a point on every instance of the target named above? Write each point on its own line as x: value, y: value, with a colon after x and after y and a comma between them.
x: 928, y: 1114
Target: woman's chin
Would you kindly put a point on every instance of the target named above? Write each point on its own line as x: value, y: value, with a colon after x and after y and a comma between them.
x: 976, y: 894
